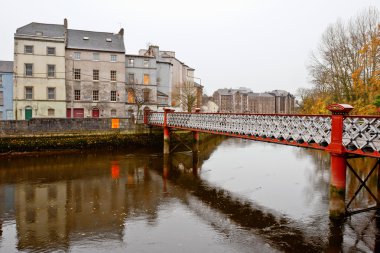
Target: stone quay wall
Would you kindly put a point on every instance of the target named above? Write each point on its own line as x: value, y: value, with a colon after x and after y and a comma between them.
x: 67, y: 125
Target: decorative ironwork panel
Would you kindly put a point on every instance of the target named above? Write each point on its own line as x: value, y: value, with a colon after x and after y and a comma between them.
x: 156, y: 118
x: 291, y: 128
x: 361, y: 133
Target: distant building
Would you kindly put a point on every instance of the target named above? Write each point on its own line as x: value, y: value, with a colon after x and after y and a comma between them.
x: 39, y: 71
x: 6, y: 90
x: 284, y: 101
x: 243, y: 100
x: 232, y: 100
x: 261, y: 103
x: 95, y: 79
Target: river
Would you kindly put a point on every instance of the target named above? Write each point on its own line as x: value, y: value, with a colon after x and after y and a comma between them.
x: 236, y: 196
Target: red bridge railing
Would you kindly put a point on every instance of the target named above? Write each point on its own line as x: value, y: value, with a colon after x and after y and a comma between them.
x: 359, y: 134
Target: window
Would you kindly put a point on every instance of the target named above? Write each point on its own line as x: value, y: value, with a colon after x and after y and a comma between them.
x: 113, y: 113
x: 146, y: 95
x: 1, y: 115
x: 28, y: 69
x: 76, y: 94
x: 131, y: 96
x: 77, y: 74
x: 95, y: 56
x: 146, y: 79
x: 95, y: 74
x: 95, y: 95
x: 77, y: 55
x: 29, y: 93
x: 146, y: 63
x: 131, y: 78
x: 113, y: 95
x: 113, y: 57
x: 1, y: 80
x: 51, y: 70
x: 50, y: 50
x: 28, y: 49
x: 51, y: 93
x: 131, y: 62
x: 51, y: 112
x: 113, y: 75
x: 1, y: 98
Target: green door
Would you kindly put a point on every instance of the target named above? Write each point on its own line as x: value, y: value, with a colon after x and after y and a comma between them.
x: 28, y: 113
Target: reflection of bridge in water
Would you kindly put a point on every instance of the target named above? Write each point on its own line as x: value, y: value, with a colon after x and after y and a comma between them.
x: 344, y: 137
x: 71, y: 206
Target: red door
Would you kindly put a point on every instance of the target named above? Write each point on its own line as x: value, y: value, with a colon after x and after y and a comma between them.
x: 78, y: 113
x: 68, y: 113
x: 95, y: 113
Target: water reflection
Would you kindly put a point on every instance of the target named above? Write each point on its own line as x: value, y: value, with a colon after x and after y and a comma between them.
x: 142, y: 200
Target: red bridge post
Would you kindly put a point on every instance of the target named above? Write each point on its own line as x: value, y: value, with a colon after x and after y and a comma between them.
x: 196, y: 136
x: 337, y: 203
x: 166, y: 132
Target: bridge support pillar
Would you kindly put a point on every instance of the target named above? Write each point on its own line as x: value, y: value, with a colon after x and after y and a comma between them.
x: 337, y: 204
x: 166, y: 140
x: 378, y: 189
x: 195, y: 142
x: 166, y: 131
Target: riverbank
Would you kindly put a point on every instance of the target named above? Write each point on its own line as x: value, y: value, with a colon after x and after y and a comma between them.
x: 75, y: 141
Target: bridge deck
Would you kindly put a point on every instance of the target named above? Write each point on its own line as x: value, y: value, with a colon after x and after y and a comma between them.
x: 361, y: 134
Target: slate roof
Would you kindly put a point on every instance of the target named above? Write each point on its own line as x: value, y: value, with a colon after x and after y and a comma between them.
x: 252, y: 94
x: 161, y: 94
x: 48, y: 30
x: 281, y: 93
x: 6, y: 66
x: 96, y: 41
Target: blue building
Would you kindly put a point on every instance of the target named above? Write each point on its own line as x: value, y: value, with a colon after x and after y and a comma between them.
x: 6, y: 90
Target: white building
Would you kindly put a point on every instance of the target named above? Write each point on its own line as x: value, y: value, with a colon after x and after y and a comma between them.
x: 39, y: 67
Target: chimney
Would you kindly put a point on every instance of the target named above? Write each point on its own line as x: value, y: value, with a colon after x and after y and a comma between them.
x: 121, y: 32
x: 65, y: 23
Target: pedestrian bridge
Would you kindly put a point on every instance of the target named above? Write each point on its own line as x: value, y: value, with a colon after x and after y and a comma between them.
x: 359, y: 134
x: 343, y: 136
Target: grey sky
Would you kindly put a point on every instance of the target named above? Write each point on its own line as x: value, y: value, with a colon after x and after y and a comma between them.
x: 260, y: 44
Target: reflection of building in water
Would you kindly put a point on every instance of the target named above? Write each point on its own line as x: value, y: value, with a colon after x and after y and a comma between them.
x: 83, y: 201
x: 41, y: 215
x: 6, y: 205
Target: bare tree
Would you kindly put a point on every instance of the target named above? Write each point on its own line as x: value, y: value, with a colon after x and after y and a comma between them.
x: 137, y: 97
x: 185, y: 95
x: 345, y: 67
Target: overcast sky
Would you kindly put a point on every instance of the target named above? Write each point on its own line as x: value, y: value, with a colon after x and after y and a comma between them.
x: 260, y: 44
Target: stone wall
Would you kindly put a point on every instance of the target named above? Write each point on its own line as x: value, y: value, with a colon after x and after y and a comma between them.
x: 65, y: 125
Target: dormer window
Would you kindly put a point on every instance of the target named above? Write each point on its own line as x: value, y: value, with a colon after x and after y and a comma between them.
x: 38, y: 33
x: 108, y: 39
x: 86, y: 38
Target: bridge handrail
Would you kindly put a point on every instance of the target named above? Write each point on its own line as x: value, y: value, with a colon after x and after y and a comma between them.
x: 360, y: 133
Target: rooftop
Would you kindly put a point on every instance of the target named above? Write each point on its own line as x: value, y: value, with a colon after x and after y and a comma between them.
x: 42, y: 30
x: 97, y: 41
x: 6, y: 66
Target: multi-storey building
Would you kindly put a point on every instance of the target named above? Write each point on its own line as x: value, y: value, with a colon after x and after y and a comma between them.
x: 95, y: 76
x: 261, y: 103
x: 39, y: 71
x: 243, y: 100
x: 6, y: 90
x: 284, y: 101
x: 141, y: 82
x: 232, y: 100
x: 182, y: 76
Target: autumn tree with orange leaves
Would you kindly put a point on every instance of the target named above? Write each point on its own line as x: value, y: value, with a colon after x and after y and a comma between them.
x: 346, y: 66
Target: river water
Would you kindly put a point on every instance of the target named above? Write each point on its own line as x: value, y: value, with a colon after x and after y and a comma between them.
x: 236, y: 196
